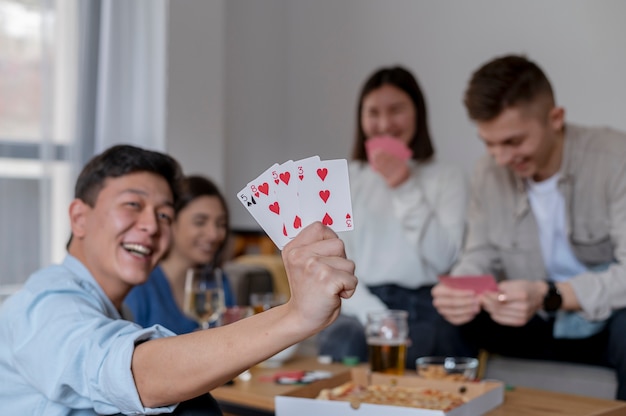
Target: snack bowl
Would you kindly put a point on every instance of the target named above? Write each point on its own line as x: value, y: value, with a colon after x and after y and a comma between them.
x: 280, y: 358
x: 447, y: 368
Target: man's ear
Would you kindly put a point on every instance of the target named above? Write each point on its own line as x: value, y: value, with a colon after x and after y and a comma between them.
x: 556, y: 118
x: 78, y: 217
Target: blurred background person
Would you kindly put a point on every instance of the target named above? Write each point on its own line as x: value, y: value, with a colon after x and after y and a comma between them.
x: 547, y: 217
x: 199, y: 234
x: 409, y: 218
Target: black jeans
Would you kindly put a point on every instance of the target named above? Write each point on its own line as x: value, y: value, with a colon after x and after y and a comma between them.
x: 429, y: 332
x: 204, y: 405
x: 534, y: 340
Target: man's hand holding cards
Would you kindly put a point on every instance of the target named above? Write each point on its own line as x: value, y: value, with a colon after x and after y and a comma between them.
x: 287, y: 197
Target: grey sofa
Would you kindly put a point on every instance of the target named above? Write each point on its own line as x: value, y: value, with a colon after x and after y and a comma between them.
x: 579, y: 379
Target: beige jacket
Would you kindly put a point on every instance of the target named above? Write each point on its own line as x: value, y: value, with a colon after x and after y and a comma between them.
x: 503, y: 238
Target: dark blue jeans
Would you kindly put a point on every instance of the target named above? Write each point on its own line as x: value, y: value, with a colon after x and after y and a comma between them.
x: 429, y: 332
x: 534, y: 340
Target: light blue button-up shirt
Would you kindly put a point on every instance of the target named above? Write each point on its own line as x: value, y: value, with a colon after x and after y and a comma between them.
x: 65, y: 349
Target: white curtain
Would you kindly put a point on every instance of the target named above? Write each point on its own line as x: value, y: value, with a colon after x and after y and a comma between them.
x: 123, y: 73
x: 132, y: 74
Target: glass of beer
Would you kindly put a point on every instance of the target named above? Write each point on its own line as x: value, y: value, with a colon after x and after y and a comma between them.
x: 387, y: 333
x: 261, y: 302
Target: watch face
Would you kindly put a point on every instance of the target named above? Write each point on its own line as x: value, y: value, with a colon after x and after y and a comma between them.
x: 552, y: 302
x: 553, y: 299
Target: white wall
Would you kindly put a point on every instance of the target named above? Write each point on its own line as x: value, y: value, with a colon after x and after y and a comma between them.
x: 195, y: 120
x: 290, y: 71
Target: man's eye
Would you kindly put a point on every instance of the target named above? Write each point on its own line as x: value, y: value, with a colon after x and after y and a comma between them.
x: 165, y: 217
x: 133, y: 204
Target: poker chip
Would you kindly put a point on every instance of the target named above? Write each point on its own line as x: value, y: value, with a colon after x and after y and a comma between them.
x: 350, y: 360
x: 324, y: 359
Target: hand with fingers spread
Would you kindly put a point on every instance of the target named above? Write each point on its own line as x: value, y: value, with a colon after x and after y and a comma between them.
x: 457, y: 306
x: 319, y: 276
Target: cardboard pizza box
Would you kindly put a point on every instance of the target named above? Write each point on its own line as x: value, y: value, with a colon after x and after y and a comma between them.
x: 481, y: 397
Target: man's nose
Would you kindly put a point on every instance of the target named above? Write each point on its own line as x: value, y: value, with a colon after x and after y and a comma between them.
x: 148, y: 221
x: 502, y: 155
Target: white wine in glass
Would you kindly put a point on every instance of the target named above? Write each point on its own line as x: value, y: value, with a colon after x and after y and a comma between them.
x: 204, y: 297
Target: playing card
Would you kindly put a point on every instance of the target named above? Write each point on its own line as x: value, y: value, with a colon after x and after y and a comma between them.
x: 291, y: 175
x: 285, y: 178
x: 260, y: 199
x: 479, y: 284
x: 324, y: 194
x: 389, y: 145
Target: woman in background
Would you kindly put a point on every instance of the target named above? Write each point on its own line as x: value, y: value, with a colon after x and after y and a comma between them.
x: 199, y: 234
x: 409, y: 214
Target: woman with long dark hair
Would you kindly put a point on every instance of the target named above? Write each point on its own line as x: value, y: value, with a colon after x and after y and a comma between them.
x: 409, y: 215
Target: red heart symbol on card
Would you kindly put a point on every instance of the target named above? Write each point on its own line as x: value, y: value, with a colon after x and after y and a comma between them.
x: 275, y: 208
x: 301, y: 177
x: 285, y: 177
x: 348, y: 216
x: 276, y: 181
x: 297, y: 222
x: 284, y: 230
x: 256, y: 194
x: 322, y: 172
x: 327, y: 220
x: 265, y: 188
x: 325, y: 194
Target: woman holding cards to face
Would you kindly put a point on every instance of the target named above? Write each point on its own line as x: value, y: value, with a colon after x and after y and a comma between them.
x: 199, y: 232
x: 409, y: 218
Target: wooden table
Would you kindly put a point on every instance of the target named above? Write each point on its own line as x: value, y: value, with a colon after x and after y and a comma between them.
x: 522, y: 401
x: 256, y: 397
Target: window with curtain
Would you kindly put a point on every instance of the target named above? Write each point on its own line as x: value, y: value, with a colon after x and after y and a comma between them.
x: 36, y: 79
x: 75, y: 77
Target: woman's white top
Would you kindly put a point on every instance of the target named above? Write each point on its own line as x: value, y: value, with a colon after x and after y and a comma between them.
x: 406, y: 236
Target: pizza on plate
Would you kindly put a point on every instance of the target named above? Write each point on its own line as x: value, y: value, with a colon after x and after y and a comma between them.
x: 421, y: 397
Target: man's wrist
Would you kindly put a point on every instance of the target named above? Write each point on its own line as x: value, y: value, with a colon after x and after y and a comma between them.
x: 552, y: 300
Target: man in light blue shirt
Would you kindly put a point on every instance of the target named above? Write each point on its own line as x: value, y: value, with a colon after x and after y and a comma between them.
x: 83, y: 330
x: 65, y: 348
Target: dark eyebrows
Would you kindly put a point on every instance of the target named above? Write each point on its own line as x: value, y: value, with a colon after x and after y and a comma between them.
x: 514, y: 138
x: 168, y: 202
x: 399, y: 104
x: 506, y: 142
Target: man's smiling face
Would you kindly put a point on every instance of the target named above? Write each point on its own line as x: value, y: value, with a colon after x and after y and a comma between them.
x: 525, y: 140
x: 127, y: 231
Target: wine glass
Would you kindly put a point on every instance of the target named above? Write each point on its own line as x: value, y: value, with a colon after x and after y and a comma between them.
x: 204, y: 296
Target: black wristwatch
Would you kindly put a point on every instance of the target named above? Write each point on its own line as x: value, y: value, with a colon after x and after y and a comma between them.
x: 553, y: 300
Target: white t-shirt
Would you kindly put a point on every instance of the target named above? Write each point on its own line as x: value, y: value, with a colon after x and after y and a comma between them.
x: 548, y: 206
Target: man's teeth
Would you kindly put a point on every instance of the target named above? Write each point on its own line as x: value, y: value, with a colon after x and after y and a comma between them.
x: 138, y: 248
